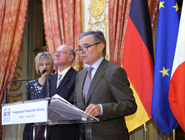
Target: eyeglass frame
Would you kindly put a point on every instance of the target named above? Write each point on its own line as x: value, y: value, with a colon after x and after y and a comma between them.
x: 60, y: 52
x: 81, y: 49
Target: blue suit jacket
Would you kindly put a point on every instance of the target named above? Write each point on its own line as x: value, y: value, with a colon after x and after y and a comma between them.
x: 66, y: 87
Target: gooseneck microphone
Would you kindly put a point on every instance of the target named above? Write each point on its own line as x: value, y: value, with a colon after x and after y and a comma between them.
x: 5, y: 93
x: 53, y: 71
x: 48, y: 85
x: 42, y: 73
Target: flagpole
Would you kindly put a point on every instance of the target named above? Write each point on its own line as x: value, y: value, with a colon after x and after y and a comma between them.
x: 173, y: 134
x: 145, y: 131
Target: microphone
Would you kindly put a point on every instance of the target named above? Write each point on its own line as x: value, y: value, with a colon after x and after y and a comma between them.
x: 53, y: 71
x: 42, y: 72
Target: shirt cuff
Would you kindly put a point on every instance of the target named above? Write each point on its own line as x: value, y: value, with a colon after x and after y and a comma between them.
x: 101, y: 109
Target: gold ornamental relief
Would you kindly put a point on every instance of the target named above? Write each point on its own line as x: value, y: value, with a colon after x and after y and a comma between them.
x: 98, y: 16
x: 98, y: 19
x: 97, y: 8
x: 16, y: 85
x: 20, y: 61
x: 77, y: 65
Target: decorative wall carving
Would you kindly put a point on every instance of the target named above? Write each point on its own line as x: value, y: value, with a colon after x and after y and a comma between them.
x: 17, y: 85
x: 98, y: 19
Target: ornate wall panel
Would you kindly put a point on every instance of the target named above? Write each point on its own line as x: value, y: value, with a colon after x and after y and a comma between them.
x: 95, y: 17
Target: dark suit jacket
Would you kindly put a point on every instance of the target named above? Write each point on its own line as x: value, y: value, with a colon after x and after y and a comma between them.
x: 110, y: 88
x: 65, y: 90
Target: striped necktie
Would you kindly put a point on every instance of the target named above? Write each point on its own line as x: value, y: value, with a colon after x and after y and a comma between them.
x: 59, y: 79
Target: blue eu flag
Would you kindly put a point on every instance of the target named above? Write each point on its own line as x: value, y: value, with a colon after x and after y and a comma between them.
x: 168, y: 24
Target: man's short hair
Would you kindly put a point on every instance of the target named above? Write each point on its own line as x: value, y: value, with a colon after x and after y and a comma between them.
x: 72, y: 52
x: 97, y: 37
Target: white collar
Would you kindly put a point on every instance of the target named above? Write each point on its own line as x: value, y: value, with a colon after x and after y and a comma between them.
x: 96, y: 64
x: 63, y: 73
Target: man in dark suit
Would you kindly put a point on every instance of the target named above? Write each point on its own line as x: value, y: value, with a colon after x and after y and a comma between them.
x: 63, y: 84
x: 109, y: 97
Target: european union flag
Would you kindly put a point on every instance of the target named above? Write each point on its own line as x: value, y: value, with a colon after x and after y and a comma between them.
x: 168, y: 24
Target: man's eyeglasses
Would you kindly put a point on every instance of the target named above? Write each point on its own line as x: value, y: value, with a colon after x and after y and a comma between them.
x: 60, y: 52
x: 85, y: 48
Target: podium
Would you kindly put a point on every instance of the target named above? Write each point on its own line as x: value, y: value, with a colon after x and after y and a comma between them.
x: 55, y: 110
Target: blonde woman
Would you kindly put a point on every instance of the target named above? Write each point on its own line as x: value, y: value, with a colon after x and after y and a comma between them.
x: 43, y: 60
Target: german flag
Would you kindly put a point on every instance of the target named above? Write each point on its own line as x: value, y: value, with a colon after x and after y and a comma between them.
x: 138, y: 61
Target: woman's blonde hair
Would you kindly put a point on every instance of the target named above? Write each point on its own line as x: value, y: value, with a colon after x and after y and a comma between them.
x: 40, y: 56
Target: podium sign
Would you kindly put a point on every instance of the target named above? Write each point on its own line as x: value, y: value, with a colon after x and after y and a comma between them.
x: 55, y: 110
x: 34, y: 111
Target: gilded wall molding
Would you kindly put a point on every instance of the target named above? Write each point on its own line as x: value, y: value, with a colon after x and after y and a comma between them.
x: 98, y: 20
x: 20, y: 61
x: 98, y: 16
x: 17, y: 84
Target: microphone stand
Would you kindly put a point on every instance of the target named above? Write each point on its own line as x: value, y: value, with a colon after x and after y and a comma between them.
x: 48, y: 88
x: 48, y: 95
x: 5, y: 94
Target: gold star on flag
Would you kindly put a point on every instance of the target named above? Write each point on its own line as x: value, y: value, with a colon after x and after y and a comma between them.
x: 176, y: 7
x: 164, y: 71
x: 161, y: 4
